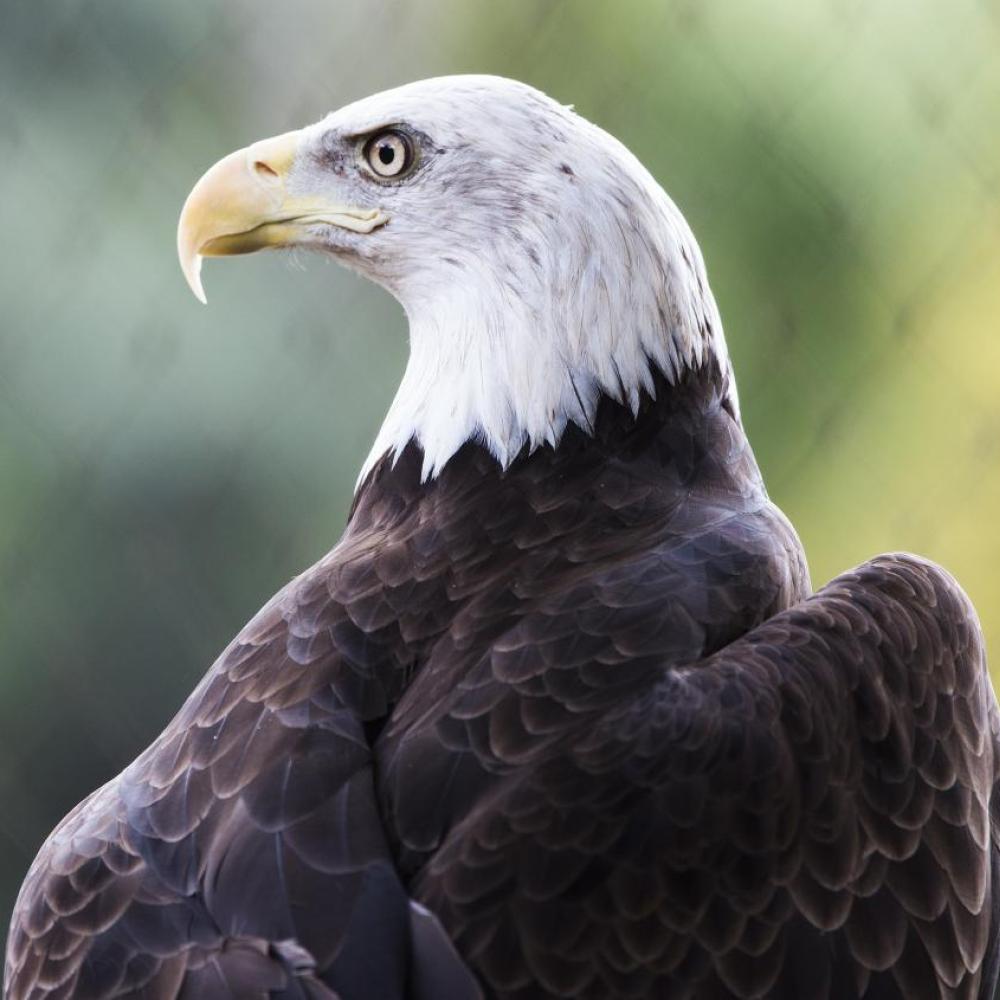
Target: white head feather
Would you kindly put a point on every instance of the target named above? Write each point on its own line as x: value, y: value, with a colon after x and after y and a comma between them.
x: 538, y: 262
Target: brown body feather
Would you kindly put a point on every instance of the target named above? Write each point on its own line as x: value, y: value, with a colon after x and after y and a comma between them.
x: 586, y: 711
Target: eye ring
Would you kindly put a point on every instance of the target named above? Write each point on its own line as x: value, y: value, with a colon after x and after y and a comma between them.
x: 389, y: 154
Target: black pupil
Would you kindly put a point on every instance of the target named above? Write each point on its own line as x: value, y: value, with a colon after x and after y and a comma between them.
x: 386, y: 153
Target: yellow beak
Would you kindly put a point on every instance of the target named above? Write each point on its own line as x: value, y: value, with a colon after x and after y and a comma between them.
x: 242, y: 204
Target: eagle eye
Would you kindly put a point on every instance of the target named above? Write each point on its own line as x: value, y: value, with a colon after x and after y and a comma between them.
x: 388, y: 154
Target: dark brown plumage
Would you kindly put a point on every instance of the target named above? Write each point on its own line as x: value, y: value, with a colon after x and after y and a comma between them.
x: 586, y: 712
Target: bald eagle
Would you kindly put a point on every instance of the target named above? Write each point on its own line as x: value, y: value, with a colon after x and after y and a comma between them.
x: 558, y: 716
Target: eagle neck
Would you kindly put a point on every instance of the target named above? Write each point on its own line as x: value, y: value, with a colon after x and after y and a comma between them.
x: 684, y: 440
x: 521, y: 334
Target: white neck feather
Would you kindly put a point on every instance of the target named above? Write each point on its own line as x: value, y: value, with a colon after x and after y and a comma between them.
x: 509, y: 344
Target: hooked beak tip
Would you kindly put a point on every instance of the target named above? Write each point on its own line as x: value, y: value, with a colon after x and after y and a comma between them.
x: 191, y: 266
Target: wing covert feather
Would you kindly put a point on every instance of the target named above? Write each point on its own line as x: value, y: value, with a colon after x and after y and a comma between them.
x: 242, y: 854
x: 806, y: 812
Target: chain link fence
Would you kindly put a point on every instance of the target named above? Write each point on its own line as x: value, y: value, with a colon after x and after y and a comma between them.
x: 164, y: 468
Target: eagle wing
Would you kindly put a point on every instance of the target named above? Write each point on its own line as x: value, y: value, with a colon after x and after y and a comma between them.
x: 242, y: 855
x: 804, y: 813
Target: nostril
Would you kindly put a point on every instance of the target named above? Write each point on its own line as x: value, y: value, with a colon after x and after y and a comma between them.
x: 263, y: 170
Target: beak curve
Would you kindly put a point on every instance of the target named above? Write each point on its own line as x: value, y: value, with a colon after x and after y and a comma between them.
x: 242, y: 204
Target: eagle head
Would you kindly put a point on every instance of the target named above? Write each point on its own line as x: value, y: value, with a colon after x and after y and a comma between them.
x: 539, y: 264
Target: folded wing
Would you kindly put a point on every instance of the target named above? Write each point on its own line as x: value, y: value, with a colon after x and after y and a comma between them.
x: 806, y: 813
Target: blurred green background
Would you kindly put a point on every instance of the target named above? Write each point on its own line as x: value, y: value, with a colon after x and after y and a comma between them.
x: 164, y: 467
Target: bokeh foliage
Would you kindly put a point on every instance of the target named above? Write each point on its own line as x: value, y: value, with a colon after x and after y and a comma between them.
x: 164, y: 467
